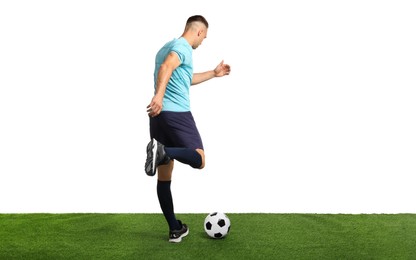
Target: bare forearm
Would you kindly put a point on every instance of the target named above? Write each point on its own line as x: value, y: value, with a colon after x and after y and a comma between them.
x: 203, y: 76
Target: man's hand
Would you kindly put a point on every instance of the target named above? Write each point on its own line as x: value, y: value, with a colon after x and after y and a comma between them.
x: 155, y: 106
x: 222, y: 69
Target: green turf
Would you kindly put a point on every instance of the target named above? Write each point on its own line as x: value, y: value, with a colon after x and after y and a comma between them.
x: 252, y: 236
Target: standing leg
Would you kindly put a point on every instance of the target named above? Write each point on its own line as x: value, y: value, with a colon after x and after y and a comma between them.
x: 165, y: 196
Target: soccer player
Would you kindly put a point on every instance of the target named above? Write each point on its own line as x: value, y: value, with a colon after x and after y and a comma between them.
x: 173, y: 133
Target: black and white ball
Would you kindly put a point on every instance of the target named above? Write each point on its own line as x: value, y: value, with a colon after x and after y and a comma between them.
x: 217, y: 225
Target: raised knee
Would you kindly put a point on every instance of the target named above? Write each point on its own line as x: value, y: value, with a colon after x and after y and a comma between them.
x: 201, y: 152
x: 202, y: 165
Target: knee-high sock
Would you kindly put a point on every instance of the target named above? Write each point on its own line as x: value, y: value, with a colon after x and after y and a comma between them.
x: 166, y: 203
x: 185, y: 155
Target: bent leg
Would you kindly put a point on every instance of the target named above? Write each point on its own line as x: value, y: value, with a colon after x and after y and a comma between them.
x: 192, y: 157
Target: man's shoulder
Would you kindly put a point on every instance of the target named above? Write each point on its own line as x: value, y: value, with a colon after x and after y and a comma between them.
x: 180, y: 43
x: 180, y: 46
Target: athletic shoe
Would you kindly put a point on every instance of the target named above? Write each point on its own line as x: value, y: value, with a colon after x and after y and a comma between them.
x: 156, y: 156
x: 175, y: 236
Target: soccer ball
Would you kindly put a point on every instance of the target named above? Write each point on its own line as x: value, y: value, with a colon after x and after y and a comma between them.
x: 217, y: 225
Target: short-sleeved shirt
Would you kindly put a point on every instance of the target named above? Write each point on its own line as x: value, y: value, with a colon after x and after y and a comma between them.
x: 176, y: 97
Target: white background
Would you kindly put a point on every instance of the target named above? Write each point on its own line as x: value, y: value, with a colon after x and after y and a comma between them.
x: 318, y: 115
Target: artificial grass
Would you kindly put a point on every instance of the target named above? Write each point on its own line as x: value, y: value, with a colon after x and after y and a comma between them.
x: 252, y: 236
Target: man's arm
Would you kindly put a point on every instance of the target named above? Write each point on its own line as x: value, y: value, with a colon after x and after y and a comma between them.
x: 203, y: 76
x: 165, y: 72
x: 221, y: 70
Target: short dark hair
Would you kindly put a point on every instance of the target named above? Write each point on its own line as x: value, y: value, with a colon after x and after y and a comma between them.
x: 197, y: 18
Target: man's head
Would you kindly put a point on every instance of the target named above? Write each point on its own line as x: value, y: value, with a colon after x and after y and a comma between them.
x: 196, y: 30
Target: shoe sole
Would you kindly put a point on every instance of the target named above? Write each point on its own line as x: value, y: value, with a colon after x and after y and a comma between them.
x: 154, y: 151
x: 150, y: 166
x: 179, y: 239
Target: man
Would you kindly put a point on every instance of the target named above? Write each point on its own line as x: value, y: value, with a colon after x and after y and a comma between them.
x: 174, y: 135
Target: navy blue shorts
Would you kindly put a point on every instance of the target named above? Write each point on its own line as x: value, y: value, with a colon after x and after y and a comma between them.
x: 175, y: 129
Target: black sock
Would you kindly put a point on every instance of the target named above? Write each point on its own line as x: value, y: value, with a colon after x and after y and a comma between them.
x: 185, y: 155
x: 166, y: 203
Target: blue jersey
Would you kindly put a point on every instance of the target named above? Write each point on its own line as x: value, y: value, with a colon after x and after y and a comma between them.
x: 177, y: 91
